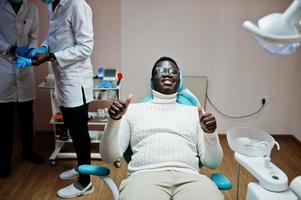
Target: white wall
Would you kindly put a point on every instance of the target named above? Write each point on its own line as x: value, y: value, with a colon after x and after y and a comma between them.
x: 207, y: 38
x: 107, y: 33
x: 297, y: 130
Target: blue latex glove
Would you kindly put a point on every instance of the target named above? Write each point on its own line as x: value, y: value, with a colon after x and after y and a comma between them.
x: 33, y: 52
x: 22, y: 62
x: 22, y: 51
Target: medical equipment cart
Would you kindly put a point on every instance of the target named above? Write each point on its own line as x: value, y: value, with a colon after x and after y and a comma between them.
x: 98, y: 118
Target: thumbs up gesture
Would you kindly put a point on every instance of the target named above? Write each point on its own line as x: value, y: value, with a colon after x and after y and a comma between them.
x: 207, y: 121
x: 118, y: 108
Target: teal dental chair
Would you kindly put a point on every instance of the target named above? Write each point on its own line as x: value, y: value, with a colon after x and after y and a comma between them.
x: 184, y: 97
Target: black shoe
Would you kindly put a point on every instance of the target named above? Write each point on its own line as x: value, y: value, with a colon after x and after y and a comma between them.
x: 4, y: 169
x: 34, y: 158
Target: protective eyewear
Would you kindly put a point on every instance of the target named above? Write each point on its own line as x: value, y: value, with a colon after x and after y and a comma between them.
x: 163, y: 70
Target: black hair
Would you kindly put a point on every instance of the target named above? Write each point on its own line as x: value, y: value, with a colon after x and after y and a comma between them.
x: 165, y: 58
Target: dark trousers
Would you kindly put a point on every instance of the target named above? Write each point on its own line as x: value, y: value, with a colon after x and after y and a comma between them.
x: 24, y: 110
x: 76, y: 121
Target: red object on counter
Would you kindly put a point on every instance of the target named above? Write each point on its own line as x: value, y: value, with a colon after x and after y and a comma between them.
x: 119, y: 77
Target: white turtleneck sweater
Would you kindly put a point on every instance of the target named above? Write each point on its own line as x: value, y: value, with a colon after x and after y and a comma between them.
x: 163, y: 135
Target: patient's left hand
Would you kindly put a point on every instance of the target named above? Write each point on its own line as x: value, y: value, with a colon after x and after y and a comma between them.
x: 207, y: 121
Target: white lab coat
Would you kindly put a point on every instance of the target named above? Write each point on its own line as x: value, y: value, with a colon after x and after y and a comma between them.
x: 17, y: 85
x: 70, y: 38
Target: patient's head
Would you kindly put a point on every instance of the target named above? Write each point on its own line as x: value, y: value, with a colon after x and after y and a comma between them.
x: 165, y: 76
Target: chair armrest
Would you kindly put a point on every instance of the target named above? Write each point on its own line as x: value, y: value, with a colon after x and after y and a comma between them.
x: 103, y: 174
x: 93, y: 170
x: 222, y: 182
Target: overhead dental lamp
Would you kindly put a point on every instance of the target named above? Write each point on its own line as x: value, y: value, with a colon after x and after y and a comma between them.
x: 279, y: 33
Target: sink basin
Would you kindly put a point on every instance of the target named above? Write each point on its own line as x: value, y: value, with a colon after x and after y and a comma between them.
x: 250, y: 141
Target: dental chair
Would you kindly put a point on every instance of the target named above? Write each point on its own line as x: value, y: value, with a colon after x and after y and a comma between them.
x: 222, y: 182
x: 184, y: 97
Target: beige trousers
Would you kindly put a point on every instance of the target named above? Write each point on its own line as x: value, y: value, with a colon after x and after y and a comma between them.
x: 169, y: 185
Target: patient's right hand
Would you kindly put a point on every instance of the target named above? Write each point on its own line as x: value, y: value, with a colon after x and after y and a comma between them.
x: 118, y: 108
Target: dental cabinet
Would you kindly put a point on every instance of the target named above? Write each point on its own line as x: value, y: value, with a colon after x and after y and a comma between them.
x: 97, y: 119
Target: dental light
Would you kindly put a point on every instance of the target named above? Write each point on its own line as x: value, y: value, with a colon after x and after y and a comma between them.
x: 279, y: 33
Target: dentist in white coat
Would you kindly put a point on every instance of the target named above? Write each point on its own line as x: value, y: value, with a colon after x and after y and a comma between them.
x: 68, y: 46
x: 19, y: 27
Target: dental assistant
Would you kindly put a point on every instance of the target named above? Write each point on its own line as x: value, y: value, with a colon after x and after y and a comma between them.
x: 19, y: 29
x: 69, y: 45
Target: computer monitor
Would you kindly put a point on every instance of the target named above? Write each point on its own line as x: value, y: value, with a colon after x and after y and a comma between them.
x: 109, y: 74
